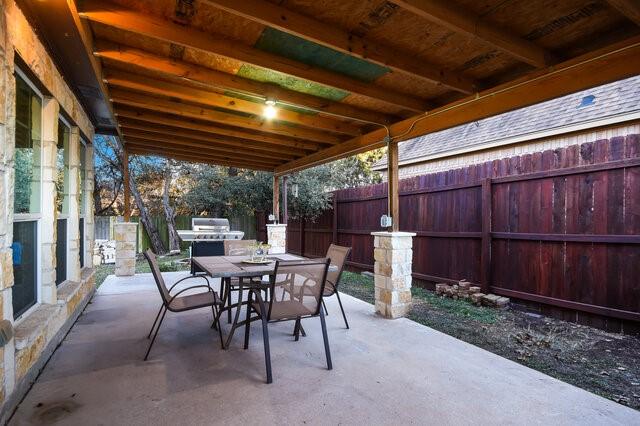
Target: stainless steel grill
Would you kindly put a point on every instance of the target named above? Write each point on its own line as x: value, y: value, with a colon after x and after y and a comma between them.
x: 210, y: 229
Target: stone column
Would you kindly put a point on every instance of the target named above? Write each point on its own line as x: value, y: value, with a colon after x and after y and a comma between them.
x: 393, y: 258
x: 125, y: 235
x: 89, y: 222
x: 7, y: 187
x: 73, y: 222
x: 50, y: 112
x: 277, y: 238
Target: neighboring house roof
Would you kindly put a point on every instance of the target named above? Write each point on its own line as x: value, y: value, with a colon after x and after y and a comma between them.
x: 598, y: 106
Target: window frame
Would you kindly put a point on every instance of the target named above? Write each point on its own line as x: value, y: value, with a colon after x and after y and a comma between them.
x: 65, y: 215
x: 32, y: 217
x: 81, y: 210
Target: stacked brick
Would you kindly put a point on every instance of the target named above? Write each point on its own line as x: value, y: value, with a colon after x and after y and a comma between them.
x: 467, y: 291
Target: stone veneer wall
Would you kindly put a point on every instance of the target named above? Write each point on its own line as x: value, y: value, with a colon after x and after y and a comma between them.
x: 277, y: 238
x: 38, y: 334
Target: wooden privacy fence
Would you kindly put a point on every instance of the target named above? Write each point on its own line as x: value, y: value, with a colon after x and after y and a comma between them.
x: 560, y: 228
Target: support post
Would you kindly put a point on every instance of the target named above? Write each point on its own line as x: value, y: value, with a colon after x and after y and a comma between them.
x: 125, y: 182
x: 285, y: 209
x: 276, y: 197
x: 485, y: 252
x: 392, y: 182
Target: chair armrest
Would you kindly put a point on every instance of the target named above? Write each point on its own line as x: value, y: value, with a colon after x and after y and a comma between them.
x: 188, y: 278
x: 191, y: 288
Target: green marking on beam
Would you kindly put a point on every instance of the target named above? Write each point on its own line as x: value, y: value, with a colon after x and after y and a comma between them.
x: 291, y: 83
x: 310, y: 53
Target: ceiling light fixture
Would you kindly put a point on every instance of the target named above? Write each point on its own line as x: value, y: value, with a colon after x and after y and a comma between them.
x: 270, y: 110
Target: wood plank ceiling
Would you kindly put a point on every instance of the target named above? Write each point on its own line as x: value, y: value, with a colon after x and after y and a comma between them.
x: 189, y: 79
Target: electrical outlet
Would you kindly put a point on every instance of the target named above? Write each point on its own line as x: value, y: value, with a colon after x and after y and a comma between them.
x: 386, y: 221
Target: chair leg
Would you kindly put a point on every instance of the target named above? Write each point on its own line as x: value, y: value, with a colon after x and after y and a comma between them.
x: 229, y: 303
x: 216, y: 322
x: 155, y: 321
x: 296, y: 329
x: 155, y: 335
x: 327, y: 351
x: 325, y: 308
x: 267, y: 352
x: 247, y: 326
x: 342, y: 309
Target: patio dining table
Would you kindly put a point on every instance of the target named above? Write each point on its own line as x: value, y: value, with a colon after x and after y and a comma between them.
x: 228, y: 267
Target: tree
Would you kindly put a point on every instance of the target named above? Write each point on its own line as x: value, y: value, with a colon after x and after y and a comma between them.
x: 111, y: 151
x: 169, y: 213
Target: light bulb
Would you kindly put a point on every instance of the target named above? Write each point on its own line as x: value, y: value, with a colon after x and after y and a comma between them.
x: 270, y: 110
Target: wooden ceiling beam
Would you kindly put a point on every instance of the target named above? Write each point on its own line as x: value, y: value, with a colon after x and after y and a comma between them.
x: 140, y: 60
x: 302, y: 26
x: 158, y: 87
x: 629, y: 8
x: 276, y: 151
x: 86, y: 37
x: 145, y: 142
x: 460, y: 19
x: 195, y: 159
x: 205, y: 146
x: 123, y: 97
x: 603, y: 66
x: 189, y: 124
x: 116, y: 16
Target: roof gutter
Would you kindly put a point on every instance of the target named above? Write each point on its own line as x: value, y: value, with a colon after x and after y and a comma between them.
x: 527, y: 137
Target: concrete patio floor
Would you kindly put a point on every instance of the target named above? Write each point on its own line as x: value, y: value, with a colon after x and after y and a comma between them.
x: 385, y: 372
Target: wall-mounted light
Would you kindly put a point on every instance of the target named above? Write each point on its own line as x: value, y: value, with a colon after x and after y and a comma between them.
x: 294, y: 190
x: 270, y: 110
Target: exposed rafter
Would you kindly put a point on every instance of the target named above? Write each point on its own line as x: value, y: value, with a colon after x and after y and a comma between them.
x: 131, y: 131
x: 189, y: 124
x: 277, y: 151
x: 180, y: 70
x: 629, y: 8
x: 460, y: 19
x: 613, y: 63
x: 335, y: 38
x: 162, y: 29
x: 151, y: 142
x: 123, y: 97
x: 163, y: 88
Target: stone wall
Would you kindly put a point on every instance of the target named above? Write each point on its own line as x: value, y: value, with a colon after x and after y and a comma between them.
x: 38, y: 333
x: 277, y: 238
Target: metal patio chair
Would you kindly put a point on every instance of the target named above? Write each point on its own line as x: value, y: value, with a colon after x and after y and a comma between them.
x: 338, y: 256
x: 308, y: 279
x: 233, y: 248
x: 177, y: 303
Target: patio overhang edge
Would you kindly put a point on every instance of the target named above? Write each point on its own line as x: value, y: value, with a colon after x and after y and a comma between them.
x: 614, y: 62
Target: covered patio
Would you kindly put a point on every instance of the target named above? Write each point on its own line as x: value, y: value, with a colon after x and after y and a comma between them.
x: 277, y: 87
x: 397, y: 372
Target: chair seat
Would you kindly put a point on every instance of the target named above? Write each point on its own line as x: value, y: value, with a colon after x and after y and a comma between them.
x: 194, y: 301
x: 286, y: 309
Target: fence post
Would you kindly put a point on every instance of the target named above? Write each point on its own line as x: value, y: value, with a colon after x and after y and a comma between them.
x: 335, y: 219
x: 301, y: 221
x: 485, y: 253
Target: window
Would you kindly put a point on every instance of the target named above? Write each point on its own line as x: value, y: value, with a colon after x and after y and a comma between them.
x: 62, y: 201
x: 27, y: 189
x: 28, y: 149
x: 81, y: 199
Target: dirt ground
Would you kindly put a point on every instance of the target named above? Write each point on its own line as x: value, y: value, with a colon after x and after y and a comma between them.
x: 603, y: 363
